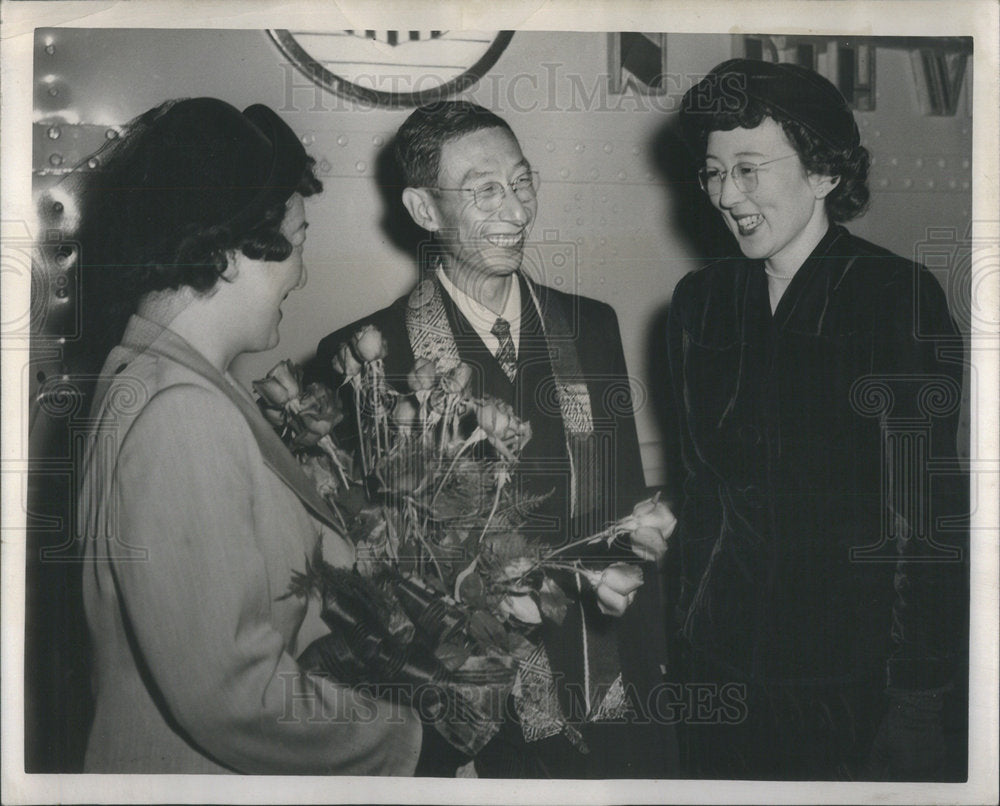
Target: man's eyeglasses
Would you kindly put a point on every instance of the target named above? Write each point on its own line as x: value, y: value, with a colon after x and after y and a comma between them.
x: 489, y: 196
x: 743, y: 174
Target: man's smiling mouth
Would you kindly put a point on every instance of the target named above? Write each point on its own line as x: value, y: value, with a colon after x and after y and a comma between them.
x: 506, y: 241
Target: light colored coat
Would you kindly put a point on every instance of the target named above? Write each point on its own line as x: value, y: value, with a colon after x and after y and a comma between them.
x: 194, y: 518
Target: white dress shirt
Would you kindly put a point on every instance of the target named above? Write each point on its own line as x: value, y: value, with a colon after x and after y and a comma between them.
x: 482, y: 318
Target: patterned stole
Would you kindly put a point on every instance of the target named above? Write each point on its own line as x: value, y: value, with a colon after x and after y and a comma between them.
x: 431, y: 337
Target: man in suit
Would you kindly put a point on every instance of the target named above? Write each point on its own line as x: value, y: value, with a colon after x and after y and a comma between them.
x: 557, y: 359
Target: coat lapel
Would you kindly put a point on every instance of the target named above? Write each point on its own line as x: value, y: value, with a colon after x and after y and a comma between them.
x: 144, y: 336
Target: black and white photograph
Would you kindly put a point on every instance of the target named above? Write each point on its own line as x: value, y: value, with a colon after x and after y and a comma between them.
x: 565, y: 404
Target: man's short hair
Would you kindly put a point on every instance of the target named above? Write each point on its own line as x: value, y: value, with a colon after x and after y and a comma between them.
x: 423, y: 134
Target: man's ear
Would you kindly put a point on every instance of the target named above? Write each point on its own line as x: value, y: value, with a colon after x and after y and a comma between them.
x: 823, y: 185
x: 422, y: 207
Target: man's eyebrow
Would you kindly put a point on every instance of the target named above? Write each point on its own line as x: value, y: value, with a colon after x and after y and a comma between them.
x: 474, y: 173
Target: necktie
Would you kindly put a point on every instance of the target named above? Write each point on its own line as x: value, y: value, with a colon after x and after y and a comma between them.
x: 506, y: 356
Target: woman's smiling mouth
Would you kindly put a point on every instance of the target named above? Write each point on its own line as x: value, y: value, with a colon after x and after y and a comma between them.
x: 748, y: 223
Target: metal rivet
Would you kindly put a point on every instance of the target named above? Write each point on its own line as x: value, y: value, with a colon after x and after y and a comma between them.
x: 580, y: 148
x: 93, y: 162
x: 53, y: 91
x: 56, y: 160
x: 308, y: 139
x: 919, y: 162
x: 50, y: 49
x: 325, y: 166
x: 378, y: 140
x: 622, y: 175
x: 360, y: 166
x: 57, y: 206
x: 563, y: 173
x: 550, y: 146
x: 54, y: 132
x: 111, y: 134
x: 62, y: 293
x: 342, y: 140
x: 608, y: 148
x: 907, y: 183
x: 942, y: 162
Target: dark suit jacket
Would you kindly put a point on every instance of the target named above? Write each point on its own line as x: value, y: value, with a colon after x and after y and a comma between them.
x: 544, y: 464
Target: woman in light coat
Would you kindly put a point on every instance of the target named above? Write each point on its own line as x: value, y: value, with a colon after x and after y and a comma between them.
x: 193, y: 516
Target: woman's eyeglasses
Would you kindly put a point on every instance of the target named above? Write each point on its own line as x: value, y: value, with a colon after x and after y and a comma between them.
x: 743, y: 174
x: 489, y: 196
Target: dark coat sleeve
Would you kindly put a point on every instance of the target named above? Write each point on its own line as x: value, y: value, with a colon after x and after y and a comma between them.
x: 700, y: 516
x: 930, y: 609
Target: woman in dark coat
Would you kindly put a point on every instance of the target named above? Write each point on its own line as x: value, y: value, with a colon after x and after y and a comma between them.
x: 818, y: 378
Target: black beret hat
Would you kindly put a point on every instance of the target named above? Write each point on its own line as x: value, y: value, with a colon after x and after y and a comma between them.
x: 795, y: 92
x: 199, y: 163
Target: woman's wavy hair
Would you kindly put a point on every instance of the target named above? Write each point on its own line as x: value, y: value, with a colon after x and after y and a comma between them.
x: 136, y: 236
x: 848, y: 199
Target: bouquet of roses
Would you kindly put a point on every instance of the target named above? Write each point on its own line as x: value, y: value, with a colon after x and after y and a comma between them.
x: 444, y: 602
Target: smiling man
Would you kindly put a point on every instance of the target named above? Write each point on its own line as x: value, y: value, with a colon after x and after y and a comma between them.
x: 557, y: 359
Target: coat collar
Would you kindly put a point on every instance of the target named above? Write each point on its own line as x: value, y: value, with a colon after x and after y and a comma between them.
x: 144, y: 336
x: 803, y: 305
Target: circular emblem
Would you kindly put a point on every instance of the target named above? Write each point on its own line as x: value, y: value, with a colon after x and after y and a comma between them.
x: 393, y: 68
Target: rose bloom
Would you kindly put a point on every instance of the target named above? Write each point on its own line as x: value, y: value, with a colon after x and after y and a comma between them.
x: 423, y: 375
x: 320, y: 410
x: 369, y: 345
x: 279, y: 386
x: 457, y: 379
x: 501, y: 424
x: 405, y: 414
x: 615, y: 587
x: 650, y: 524
x: 344, y: 362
